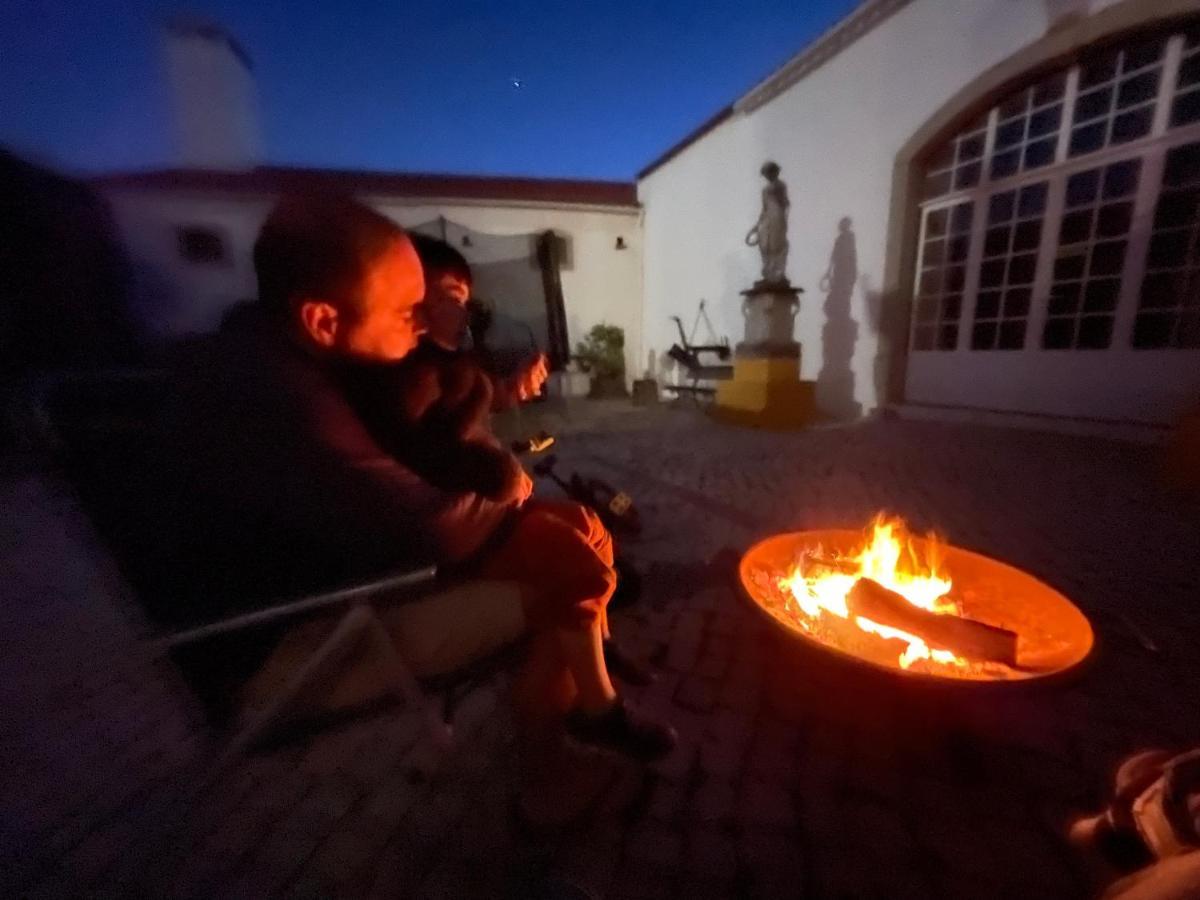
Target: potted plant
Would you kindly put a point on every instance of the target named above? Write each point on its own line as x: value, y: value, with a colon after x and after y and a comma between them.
x: 602, y: 355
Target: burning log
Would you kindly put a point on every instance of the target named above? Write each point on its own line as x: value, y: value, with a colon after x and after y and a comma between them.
x: 964, y: 637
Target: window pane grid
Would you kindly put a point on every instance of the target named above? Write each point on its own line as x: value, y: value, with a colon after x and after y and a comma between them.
x: 958, y: 165
x: 1092, y: 241
x: 942, y: 272
x: 1007, y: 267
x: 1117, y: 93
x: 1027, y: 128
x: 1169, y: 301
x: 1185, y: 108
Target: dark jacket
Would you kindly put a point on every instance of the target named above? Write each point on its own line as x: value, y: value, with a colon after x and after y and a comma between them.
x: 281, y: 483
x: 432, y: 412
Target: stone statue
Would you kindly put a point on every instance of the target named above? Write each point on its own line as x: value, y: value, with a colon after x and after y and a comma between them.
x: 769, y: 233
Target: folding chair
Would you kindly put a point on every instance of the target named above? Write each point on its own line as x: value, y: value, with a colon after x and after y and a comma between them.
x: 688, y: 355
x: 98, y: 422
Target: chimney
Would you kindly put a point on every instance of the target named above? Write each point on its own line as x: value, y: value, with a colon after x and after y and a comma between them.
x: 214, y: 102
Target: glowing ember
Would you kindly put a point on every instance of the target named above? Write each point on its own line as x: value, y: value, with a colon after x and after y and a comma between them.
x: 819, y: 586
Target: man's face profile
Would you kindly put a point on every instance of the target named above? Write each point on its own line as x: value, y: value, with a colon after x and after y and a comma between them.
x: 389, y: 317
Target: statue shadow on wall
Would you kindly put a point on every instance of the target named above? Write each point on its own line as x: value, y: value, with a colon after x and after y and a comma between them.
x: 835, y: 381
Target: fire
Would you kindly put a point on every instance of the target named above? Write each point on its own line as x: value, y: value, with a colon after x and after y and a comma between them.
x: 819, y: 586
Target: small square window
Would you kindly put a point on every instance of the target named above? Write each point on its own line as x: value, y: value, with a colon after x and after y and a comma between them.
x: 1016, y: 303
x: 967, y: 176
x: 201, y: 245
x: 1144, y: 54
x: 1068, y: 267
x: 1168, y: 249
x: 1114, y: 219
x: 1138, y: 89
x: 1028, y: 235
x: 935, y: 223
x: 1183, y: 166
x: 1076, y: 227
x: 991, y: 273
x: 1093, y: 105
x: 983, y: 336
x: 1121, y: 179
x: 952, y: 307
x: 1160, y: 290
x: 1094, y: 332
x: 1012, y: 335
x: 1058, y: 334
x: 955, y: 276
x: 1189, y: 71
x: 1099, y: 68
x: 970, y: 148
x: 1186, y: 109
x: 1005, y: 164
x: 1045, y: 121
x: 948, y: 337
x: 1050, y: 89
x: 960, y: 219
x: 1021, y: 268
x: 1132, y: 125
x: 1000, y: 207
x: 996, y: 241
x: 1101, y: 295
x: 1176, y: 208
x: 987, y: 306
x: 937, y: 184
x: 1152, y: 330
x: 1010, y: 133
x: 1064, y: 299
x: 958, y: 248
x: 1082, y: 187
x: 1014, y: 105
x: 1033, y: 200
x: 1107, y: 258
x: 1088, y: 138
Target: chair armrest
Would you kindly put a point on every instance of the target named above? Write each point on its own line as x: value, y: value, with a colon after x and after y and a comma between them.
x: 355, y: 593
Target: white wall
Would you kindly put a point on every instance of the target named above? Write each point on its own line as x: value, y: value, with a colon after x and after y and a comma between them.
x: 836, y: 133
x: 177, y: 297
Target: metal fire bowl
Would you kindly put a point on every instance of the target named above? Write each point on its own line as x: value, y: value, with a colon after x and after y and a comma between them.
x: 1053, y: 636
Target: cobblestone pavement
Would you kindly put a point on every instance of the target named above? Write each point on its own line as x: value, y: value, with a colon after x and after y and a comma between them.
x: 793, y: 777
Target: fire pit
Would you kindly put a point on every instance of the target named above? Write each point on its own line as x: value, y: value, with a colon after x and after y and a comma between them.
x: 914, y: 605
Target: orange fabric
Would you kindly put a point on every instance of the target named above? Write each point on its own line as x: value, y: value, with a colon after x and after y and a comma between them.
x: 564, y: 552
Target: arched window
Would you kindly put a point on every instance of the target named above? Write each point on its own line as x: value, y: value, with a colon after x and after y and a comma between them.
x: 1067, y: 217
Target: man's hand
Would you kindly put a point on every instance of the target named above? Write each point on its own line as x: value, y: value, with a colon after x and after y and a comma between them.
x: 533, y: 375
x: 525, y: 491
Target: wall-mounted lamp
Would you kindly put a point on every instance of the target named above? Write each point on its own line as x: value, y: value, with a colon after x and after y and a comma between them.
x: 466, y: 241
x: 621, y: 245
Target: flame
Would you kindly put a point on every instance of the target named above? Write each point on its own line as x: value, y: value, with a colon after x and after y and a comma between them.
x: 819, y: 586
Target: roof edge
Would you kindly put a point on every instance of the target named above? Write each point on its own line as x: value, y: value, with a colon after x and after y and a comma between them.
x: 277, y: 179
x: 812, y: 56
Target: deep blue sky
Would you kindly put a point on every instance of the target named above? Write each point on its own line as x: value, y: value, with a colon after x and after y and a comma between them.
x: 393, y: 85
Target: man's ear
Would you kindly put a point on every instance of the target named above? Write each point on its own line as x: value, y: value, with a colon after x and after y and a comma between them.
x: 320, y: 321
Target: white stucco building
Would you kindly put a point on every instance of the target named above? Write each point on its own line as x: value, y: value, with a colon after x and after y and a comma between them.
x: 1022, y: 183
x: 189, y: 230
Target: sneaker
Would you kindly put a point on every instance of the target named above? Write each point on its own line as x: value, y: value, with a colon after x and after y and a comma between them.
x: 623, y: 729
x: 625, y: 667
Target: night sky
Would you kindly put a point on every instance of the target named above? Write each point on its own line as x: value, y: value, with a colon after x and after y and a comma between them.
x: 605, y: 86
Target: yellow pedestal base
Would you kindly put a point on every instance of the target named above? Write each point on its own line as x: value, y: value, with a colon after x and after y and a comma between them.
x: 766, y: 392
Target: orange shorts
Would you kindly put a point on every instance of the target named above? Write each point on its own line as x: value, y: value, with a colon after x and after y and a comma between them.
x: 565, y: 554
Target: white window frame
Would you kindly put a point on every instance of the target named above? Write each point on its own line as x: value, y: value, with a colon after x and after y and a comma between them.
x: 1151, y: 148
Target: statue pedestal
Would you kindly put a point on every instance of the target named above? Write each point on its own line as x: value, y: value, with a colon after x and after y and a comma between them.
x: 766, y: 390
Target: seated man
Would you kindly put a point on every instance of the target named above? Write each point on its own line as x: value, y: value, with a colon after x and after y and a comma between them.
x: 289, y: 486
